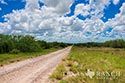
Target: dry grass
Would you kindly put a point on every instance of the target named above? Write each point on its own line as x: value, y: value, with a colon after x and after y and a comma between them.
x: 10, y: 58
x: 97, y: 60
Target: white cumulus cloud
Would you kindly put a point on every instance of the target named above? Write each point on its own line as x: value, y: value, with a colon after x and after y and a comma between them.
x: 115, y: 1
x: 3, y: 2
x: 60, y: 6
x: 118, y: 23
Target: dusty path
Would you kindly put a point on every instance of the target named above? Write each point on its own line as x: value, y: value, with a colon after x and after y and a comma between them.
x: 34, y: 70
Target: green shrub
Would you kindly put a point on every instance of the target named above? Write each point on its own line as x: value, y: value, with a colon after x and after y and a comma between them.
x: 25, y: 43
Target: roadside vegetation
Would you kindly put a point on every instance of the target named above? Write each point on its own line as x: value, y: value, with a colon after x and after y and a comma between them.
x: 105, y: 65
x: 15, y: 48
x: 7, y: 58
x: 16, y: 44
x: 118, y: 43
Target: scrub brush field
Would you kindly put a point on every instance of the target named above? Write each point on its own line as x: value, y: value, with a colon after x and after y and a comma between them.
x: 91, y: 65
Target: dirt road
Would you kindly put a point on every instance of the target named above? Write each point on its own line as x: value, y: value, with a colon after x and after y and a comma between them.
x: 36, y: 70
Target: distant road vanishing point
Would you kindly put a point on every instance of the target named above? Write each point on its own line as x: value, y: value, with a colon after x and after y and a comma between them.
x: 35, y: 70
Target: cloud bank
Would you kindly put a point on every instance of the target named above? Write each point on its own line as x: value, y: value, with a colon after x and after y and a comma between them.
x: 50, y: 22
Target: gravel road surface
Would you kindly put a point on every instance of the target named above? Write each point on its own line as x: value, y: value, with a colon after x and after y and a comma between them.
x: 33, y: 70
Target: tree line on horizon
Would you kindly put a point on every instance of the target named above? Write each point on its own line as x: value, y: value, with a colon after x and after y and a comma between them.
x: 16, y: 44
x: 117, y: 43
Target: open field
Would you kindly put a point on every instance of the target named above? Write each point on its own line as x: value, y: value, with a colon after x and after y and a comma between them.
x: 10, y: 58
x: 91, y: 65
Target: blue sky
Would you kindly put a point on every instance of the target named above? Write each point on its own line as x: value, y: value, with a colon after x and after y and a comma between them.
x: 109, y: 12
x: 64, y: 21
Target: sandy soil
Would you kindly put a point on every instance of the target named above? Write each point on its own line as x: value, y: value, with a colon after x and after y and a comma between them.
x: 35, y: 70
